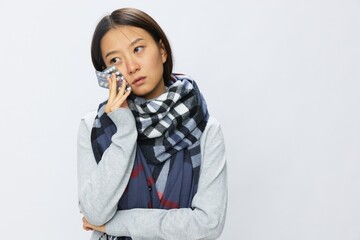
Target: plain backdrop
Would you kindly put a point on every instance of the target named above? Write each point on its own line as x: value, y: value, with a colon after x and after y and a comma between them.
x: 282, y: 77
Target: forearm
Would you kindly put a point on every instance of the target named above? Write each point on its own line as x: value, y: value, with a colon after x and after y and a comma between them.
x: 184, y: 223
x: 206, y: 218
x: 101, y: 186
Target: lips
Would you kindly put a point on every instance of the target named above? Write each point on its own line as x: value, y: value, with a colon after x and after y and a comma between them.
x: 138, y: 81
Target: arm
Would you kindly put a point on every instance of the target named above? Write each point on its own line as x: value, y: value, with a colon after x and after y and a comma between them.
x: 206, y: 219
x: 101, y: 186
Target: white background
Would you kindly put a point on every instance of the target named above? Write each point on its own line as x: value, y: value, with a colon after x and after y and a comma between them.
x: 282, y: 77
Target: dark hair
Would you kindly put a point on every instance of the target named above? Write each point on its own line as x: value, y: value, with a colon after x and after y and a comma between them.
x: 130, y: 17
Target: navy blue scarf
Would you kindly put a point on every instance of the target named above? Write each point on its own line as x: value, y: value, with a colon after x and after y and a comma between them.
x: 166, y: 169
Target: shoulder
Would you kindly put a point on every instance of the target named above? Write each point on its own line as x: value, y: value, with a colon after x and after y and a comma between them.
x: 88, y: 119
x: 212, y: 147
x: 212, y: 132
x: 212, y: 125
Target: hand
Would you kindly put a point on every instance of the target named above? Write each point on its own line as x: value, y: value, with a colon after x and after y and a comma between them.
x: 87, y: 226
x: 117, y: 98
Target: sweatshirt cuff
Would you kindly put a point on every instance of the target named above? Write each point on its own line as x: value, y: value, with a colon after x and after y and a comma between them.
x: 122, y: 117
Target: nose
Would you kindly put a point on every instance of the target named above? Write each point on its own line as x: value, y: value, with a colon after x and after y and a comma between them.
x: 132, y: 66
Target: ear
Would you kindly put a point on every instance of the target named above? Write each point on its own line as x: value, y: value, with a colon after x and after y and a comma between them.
x: 162, y: 51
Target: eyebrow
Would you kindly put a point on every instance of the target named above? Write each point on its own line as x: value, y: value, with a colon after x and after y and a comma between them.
x: 131, y: 44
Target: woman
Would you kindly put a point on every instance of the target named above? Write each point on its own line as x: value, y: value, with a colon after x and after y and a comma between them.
x: 151, y: 161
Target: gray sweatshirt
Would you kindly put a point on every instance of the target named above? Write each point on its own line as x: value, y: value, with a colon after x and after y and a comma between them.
x: 100, y: 186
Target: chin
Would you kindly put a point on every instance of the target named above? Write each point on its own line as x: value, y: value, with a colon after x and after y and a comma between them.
x: 140, y: 93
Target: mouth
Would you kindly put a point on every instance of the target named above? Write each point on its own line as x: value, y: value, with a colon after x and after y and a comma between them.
x: 138, y: 81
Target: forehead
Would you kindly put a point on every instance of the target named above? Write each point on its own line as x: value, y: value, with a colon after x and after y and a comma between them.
x: 123, y: 36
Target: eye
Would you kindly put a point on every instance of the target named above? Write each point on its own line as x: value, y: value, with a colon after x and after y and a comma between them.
x: 115, y: 60
x: 138, y: 49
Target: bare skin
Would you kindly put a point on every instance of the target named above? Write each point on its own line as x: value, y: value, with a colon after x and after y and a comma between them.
x: 117, y: 97
x: 87, y: 226
x: 139, y: 58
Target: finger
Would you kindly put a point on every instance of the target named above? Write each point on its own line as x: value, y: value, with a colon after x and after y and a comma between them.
x: 112, y: 92
x: 123, y: 94
x: 125, y: 102
x: 119, y: 101
x: 87, y: 228
x: 112, y: 87
x: 121, y: 90
x: 86, y: 225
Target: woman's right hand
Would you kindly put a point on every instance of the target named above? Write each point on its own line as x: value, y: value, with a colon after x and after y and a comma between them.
x: 117, y: 97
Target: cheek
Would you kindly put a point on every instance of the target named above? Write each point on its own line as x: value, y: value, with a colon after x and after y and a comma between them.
x: 156, y: 61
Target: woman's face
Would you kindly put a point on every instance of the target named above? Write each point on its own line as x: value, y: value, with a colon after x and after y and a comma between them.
x: 138, y: 57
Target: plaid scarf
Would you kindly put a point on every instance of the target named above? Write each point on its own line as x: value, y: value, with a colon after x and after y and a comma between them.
x: 167, y: 162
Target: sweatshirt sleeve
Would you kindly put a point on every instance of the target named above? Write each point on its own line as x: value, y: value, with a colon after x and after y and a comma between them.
x: 206, y: 218
x: 100, y: 186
